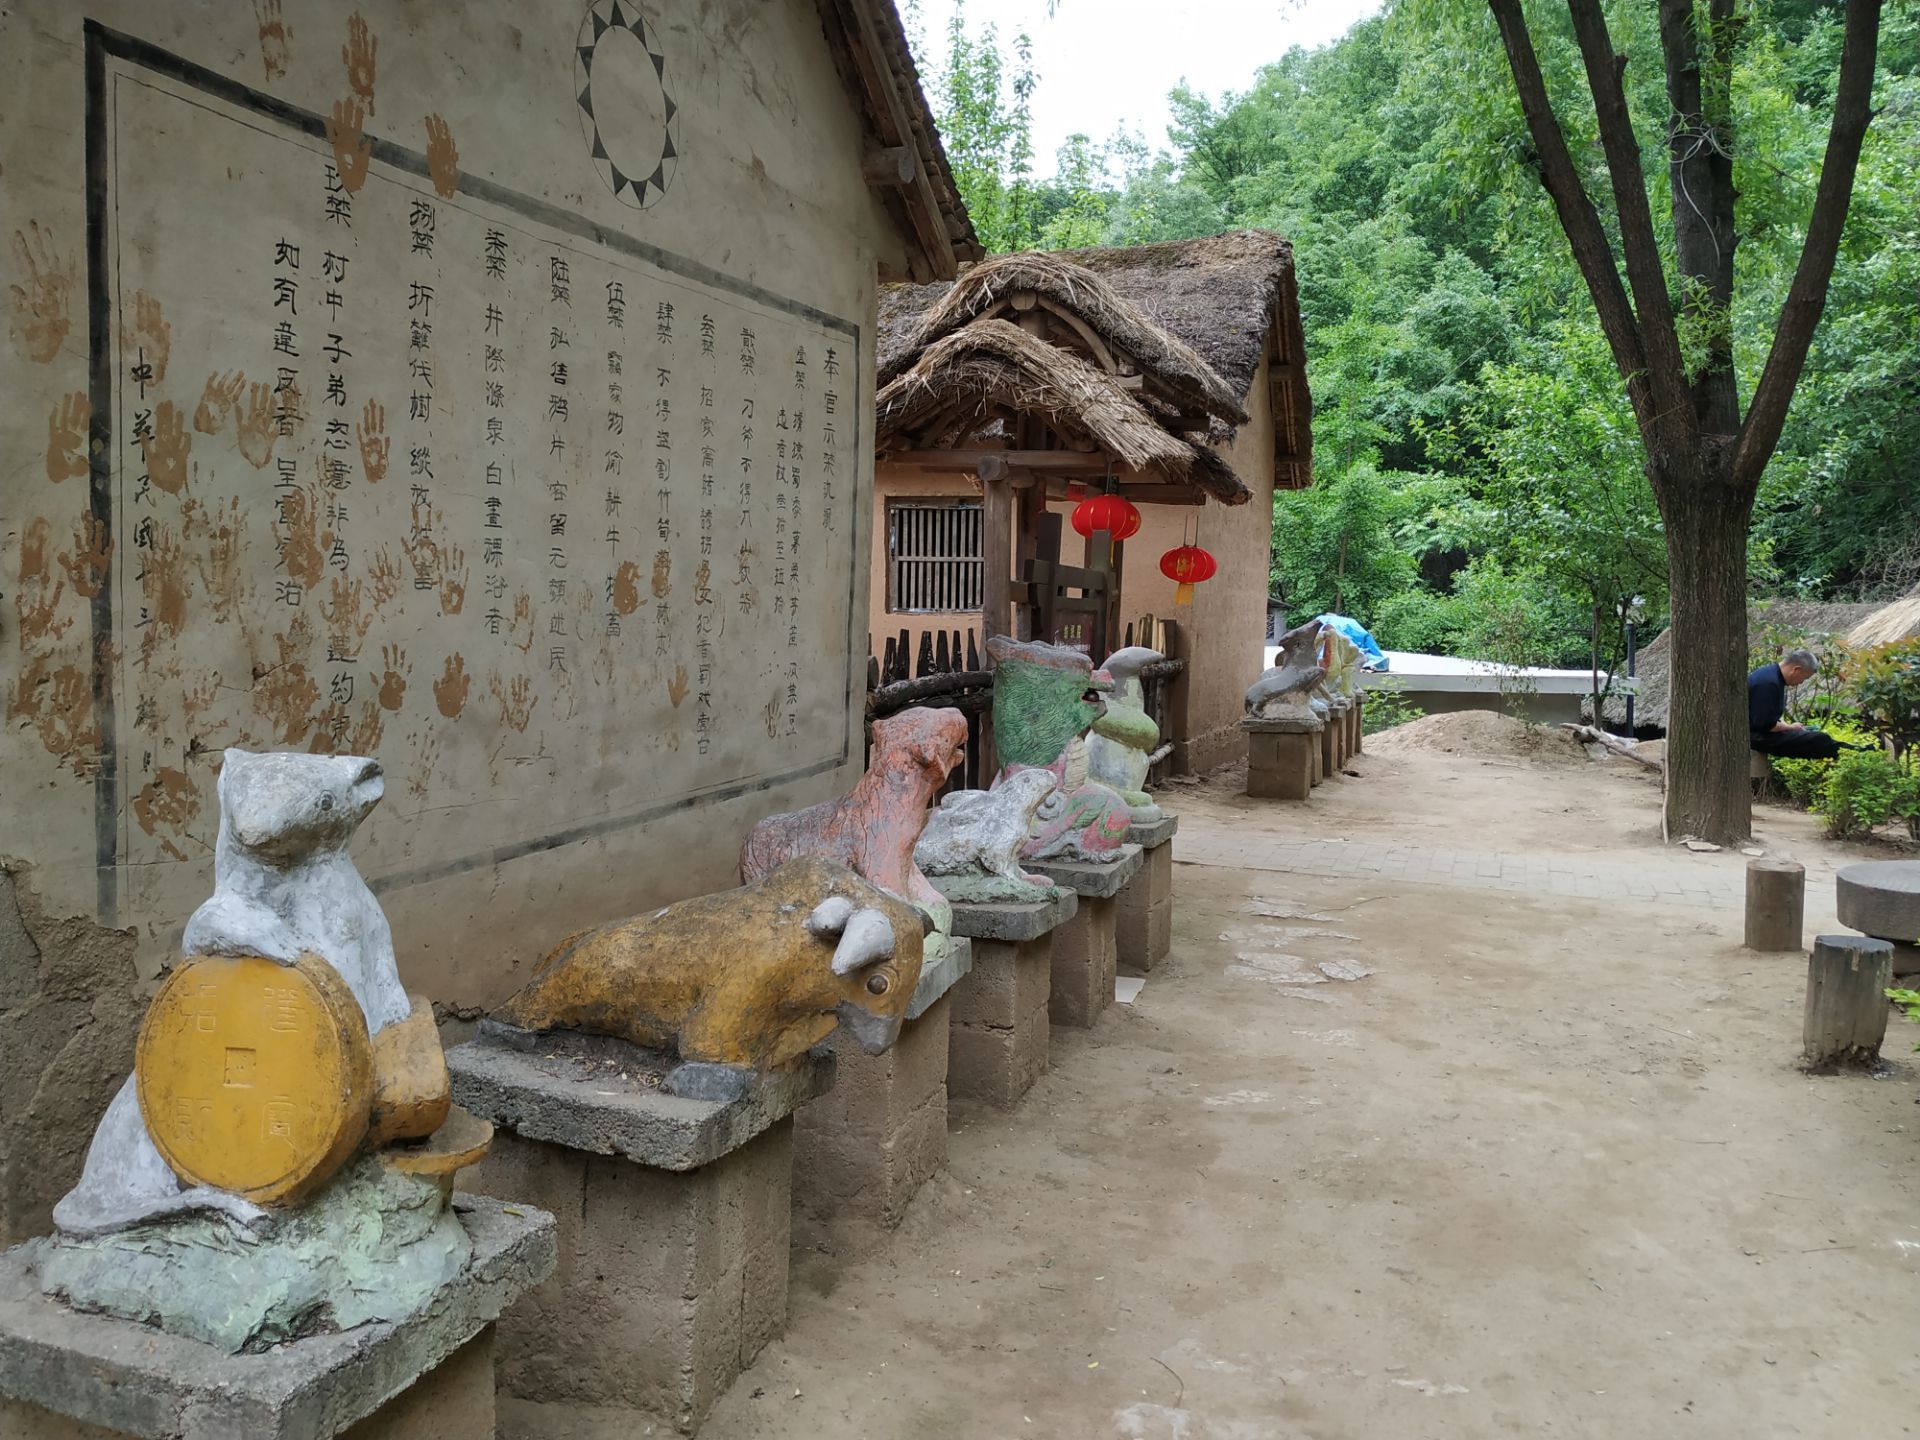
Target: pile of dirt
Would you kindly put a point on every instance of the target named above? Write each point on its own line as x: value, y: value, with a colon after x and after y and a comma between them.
x: 1484, y: 733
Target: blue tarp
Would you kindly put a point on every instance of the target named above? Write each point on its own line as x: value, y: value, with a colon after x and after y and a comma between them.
x: 1371, y: 654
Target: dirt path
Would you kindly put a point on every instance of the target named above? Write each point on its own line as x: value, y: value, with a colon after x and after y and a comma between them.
x: 1547, y: 1171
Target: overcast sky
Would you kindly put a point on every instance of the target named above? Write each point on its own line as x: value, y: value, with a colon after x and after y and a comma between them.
x: 1107, y: 63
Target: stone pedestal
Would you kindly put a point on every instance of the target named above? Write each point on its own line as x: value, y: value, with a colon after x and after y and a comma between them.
x: 1329, y: 758
x: 68, y: 1376
x: 863, y: 1150
x: 997, y: 1043
x: 674, y: 1219
x: 1084, y: 958
x: 1359, y: 724
x: 1281, y: 757
x: 1143, y: 923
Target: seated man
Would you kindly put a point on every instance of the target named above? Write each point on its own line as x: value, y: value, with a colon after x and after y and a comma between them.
x: 1372, y: 657
x: 1767, y: 702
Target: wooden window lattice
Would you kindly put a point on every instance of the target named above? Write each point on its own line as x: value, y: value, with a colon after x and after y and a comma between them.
x: 934, y: 563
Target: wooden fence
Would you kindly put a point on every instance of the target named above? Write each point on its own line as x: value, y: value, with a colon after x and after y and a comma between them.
x: 947, y: 673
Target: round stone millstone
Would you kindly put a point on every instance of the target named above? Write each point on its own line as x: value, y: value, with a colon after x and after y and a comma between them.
x: 1880, y: 898
x: 255, y: 1078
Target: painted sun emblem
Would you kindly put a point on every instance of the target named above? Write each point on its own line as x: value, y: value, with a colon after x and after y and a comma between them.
x: 627, y: 110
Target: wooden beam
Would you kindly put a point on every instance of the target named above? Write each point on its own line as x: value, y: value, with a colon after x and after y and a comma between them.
x: 891, y: 166
x: 876, y: 74
x: 1057, y: 461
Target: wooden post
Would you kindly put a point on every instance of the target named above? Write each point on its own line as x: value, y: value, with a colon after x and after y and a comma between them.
x: 1846, y: 1015
x: 996, y: 610
x: 1776, y: 904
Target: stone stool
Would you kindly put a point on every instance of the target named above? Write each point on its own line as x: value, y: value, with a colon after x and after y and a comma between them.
x: 997, y: 1045
x: 674, y: 1220
x: 864, y: 1149
x: 69, y: 1376
x: 1084, y: 960
x: 1143, y: 925
x: 1281, y: 756
x: 1881, y: 898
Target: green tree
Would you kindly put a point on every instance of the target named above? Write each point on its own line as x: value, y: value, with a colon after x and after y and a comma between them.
x: 983, y: 100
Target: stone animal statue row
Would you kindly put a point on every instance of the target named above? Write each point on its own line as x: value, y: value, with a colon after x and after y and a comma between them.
x: 1318, y: 672
x: 282, y: 1158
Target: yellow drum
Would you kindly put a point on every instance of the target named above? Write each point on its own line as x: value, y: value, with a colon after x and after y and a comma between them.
x: 255, y: 1077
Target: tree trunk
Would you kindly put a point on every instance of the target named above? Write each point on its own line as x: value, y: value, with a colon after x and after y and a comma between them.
x: 1707, y: 748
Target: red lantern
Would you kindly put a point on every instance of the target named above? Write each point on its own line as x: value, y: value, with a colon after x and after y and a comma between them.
x: 1119, y: 517
x: 1187, y: 566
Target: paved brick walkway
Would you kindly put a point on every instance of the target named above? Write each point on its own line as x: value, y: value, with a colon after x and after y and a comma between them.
x: 1698, y: 884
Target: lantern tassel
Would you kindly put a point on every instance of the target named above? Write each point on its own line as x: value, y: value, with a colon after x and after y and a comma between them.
x: 1183, y: 594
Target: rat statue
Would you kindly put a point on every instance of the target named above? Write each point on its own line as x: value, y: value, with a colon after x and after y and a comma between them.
x: 1120, y: 749
x: 736, y: 982
x: 1282, y: 692
x: 1045, y: 699
x: 263, y: 1173
x: 972, y: 842
x: 283, y: 886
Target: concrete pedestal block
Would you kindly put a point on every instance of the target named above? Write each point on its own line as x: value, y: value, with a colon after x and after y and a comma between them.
x: 1880, y: 898
x: 68, y: 1376
x: 1280, y: 761
x: 863, y: 1150
x: 997, y: 1043
x: 1143, y: 926
x: 1084, y: 957
x: 669, y: 1284
x: 1084, y: 965
x: 1359, y: 724
x: 674, y: 1220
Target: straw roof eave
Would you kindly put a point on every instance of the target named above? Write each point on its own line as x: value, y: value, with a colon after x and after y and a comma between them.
x: 985, y: 369
x: 1168, y: 362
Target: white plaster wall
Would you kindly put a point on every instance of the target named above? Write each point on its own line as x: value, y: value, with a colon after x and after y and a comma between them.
x: 540, y: 803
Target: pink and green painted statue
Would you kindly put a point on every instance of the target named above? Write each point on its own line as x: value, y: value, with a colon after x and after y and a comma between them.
x: 1045, y: 700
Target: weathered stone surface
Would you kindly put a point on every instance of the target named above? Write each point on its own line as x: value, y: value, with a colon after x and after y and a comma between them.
x: 411, y: 1093
x: 1281, y: 692
x: 70, y: 1006
x: 375, y: 1244
x: 1093, y: 881
x: 1007, y: 921
x: 937, y: 980
x: 749, y: 978
x: 873, y: 827
x: 668, y: 1284
x: 1084, y: 966
x: 601, y: 1096
x: 1044, y: 698
x: 1142, y: 937
x: 1151, y: 835
x: 1880, y: 898
x: 131, y: 1379
x: 976, y: 836
x: 1009, y: 982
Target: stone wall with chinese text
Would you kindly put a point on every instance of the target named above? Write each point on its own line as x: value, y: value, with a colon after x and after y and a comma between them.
x: 481, y: 388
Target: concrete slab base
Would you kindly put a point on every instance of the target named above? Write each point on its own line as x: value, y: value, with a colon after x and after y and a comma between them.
x: 863, y: 1150
x: 997, y: 1045
x: 1143, y: 921
x: 68, y: 1376
x: 669, y: 1284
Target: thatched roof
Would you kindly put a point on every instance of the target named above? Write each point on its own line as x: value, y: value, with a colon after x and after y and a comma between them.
x: 961, y: 381
x: 1784, y: 621
x: 1078, y: 291
x: 869, y: 47
x: 1888, y: 625
x: 1228, y: 299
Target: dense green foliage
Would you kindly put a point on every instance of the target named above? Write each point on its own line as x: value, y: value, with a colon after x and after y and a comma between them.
x: 1478, y: 483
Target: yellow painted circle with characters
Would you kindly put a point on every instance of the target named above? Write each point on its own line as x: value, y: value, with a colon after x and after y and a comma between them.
x: 255, y: 1077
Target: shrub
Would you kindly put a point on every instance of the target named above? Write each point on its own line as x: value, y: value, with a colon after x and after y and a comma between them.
x: 1802, y: 779
x: 1387, y: 706
x: 1865, y: 788
x: 1885, y: 685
